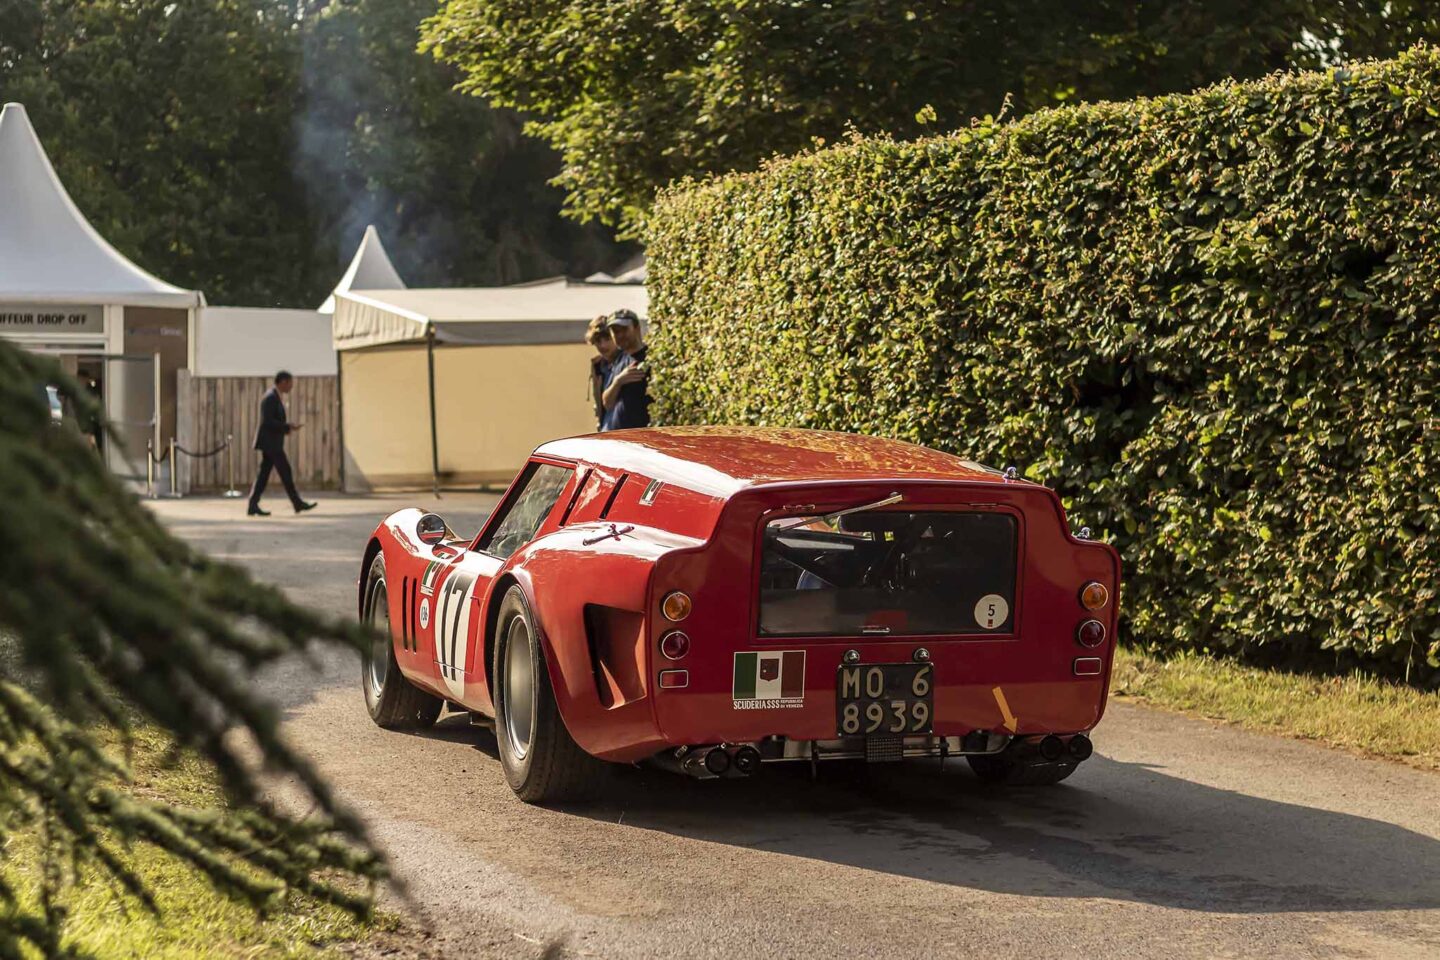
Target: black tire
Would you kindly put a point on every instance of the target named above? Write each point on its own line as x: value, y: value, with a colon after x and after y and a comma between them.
x: 998, y: 768
x: 394, y: 702
x: 543, y: 764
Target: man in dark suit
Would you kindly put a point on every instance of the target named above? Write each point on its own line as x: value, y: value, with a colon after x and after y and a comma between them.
x: 270, y: 441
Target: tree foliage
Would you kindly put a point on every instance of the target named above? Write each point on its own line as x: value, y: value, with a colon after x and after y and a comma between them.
x: 384, y: 139
x: 637, y: 93
x: 105, y: 616
x: 1209, y: 321
x: 169, y: 124
x: 240, y: 147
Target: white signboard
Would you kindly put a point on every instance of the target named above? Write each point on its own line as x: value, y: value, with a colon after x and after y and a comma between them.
x: 51, y: 318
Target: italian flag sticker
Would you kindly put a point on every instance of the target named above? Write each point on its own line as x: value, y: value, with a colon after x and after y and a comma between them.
x: 769, y: 681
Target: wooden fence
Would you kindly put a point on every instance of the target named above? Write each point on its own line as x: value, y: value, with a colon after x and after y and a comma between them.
x: 208, y: 409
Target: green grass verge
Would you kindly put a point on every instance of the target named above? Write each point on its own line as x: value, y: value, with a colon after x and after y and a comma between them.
x: 1359, y: 713
x: 196, y: 921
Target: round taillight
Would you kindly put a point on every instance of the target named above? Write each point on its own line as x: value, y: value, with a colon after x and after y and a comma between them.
x: 675, y: 606
x: 675, y: 645
x: 1091, y: 633
x: 1094, y: 596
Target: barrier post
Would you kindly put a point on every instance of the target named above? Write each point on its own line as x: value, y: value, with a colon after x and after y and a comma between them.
x: 150, y: 469
x: 174, y: 471
x: 230, y: 491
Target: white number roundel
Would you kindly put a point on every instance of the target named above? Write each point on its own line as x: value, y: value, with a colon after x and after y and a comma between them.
x: 425, y: 613
x: 991, y: 611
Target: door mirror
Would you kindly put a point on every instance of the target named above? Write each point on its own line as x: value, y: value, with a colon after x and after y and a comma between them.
x: 432, y: 530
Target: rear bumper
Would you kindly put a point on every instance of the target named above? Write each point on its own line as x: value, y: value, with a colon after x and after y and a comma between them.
x: 1006, y: 688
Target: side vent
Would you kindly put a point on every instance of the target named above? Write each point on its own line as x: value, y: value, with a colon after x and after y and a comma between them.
x: 414, y: 615
x: 617, y: 653
x: 614, y: 492
x: 405, y: 613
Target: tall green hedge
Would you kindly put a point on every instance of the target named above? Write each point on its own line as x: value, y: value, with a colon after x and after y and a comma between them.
x: 1212, y: 322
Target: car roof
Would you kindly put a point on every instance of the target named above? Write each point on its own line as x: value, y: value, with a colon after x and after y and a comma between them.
x: 723, y: 460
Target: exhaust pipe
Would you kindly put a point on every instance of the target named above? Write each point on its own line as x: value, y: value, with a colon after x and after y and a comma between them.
x: 708, y: 761
x: 1080, y: 747
x: 703, y: 762
x: 1052, y: 748
x: 746, y: 760
x: 716, y: 761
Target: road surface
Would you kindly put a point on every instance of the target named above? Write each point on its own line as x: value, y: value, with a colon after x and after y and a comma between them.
x: 1180, y: 838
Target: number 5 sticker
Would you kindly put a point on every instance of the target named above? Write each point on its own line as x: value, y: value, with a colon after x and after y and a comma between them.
x: 991, y: 611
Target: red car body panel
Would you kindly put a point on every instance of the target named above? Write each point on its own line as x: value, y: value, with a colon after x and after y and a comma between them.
x: 596, y: 570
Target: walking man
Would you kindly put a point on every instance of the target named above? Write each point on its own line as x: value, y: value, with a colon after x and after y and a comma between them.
x: 627, y: 398
x: 270, y: 441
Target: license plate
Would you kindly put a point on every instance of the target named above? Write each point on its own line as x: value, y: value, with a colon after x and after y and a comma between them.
x: 884, y: 698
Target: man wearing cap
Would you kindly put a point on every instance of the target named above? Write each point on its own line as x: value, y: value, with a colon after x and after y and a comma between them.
x: 627, y: 398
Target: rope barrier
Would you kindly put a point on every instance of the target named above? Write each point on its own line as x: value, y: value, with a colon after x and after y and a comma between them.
x: 153, y: 461
x: 209, y: 453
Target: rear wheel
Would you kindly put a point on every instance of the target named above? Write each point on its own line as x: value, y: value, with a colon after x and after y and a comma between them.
x: 393, y: 701
x: 542, y: 762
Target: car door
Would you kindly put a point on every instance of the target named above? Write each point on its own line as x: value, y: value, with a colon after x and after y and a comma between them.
x: 460, y: 589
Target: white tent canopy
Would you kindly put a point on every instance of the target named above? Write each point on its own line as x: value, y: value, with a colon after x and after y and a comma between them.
x: 49, y: 252
x: 553, y: 312
x: 370, y: 269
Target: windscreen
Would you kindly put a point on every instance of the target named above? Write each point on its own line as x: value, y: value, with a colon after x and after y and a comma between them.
x: 889, y: 573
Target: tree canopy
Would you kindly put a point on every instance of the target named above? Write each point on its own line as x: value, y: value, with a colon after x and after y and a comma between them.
x: 637, y: 93
x: 383, y: 138
x: 240, y: 147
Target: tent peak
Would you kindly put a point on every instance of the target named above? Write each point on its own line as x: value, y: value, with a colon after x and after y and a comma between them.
x: 48, y: 250
x: 370, y: 269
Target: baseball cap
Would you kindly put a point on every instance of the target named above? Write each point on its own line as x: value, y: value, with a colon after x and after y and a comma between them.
x: 624, y: 317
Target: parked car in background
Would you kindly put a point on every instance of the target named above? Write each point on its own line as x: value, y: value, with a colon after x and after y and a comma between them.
x: 715, y: 599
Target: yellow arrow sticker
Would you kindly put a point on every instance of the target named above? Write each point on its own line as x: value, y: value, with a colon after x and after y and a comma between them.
x: 1011, y: 723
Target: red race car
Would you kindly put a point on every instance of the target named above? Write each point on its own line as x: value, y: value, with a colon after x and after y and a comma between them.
x: 711, y: 599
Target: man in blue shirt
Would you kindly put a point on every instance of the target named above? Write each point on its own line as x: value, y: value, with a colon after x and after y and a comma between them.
x: 627, y: 398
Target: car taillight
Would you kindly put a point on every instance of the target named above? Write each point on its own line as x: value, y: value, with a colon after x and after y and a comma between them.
x: 674, y: 645
x: 1091, y: 633
x: 1094, y: 596
x: 675, y: 606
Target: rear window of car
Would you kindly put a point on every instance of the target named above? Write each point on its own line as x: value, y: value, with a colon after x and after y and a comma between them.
x: 889, y: 573
x: 521, y: 515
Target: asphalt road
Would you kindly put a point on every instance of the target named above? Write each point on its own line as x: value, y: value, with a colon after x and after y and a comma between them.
x: 1179, y: 838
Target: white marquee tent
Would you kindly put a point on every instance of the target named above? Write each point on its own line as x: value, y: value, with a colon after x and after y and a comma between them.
x: 65, y: 291
x: 370, y: 269
x: 49, y: 252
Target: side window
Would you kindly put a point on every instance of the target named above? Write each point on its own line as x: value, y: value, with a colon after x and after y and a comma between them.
x: 522, y: 514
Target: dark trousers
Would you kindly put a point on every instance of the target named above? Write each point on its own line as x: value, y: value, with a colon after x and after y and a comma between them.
x: 281, y: 463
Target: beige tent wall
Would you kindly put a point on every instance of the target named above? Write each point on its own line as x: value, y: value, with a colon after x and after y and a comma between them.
x: 385, y: 417
x: 494, y: 404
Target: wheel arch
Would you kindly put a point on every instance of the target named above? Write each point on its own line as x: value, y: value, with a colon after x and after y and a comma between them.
x: 571, y: 687
x: 372, y: 549
x: 503, y: 583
